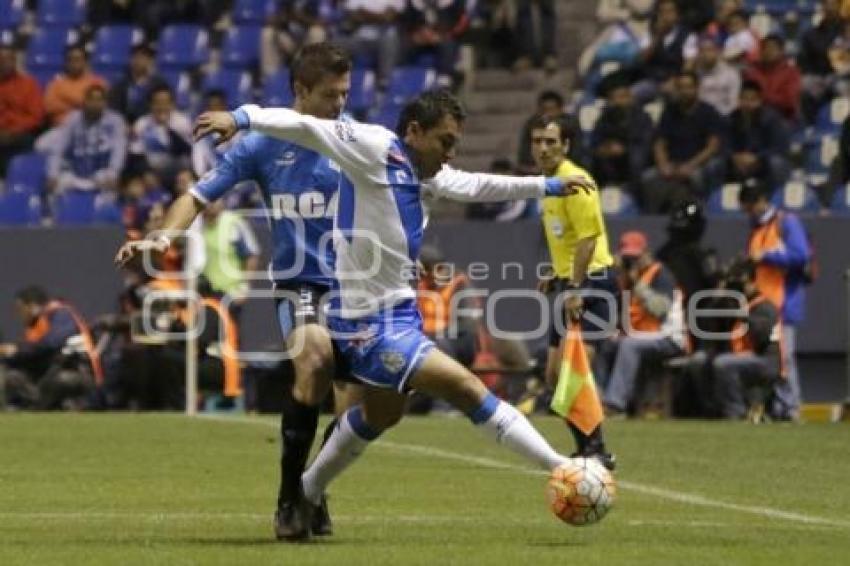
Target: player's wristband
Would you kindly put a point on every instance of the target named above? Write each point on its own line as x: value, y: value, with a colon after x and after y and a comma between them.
x: 243, y: 122
x: 554, y: 187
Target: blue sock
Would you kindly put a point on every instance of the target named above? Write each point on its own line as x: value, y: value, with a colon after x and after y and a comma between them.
x: 486, y: 410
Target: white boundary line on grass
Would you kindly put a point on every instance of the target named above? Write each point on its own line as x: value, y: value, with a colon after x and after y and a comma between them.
x: 662, y: 493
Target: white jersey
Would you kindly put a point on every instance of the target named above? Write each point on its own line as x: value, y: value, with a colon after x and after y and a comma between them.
x: 380, y: 215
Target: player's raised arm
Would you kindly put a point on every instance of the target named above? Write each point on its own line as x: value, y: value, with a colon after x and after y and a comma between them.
x: 462, y: 186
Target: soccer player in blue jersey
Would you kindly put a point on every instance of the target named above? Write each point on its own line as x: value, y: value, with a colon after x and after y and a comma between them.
x: 378, y: 232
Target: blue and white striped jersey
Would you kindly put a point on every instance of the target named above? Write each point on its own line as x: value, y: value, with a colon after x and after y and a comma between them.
x: 380, y: 216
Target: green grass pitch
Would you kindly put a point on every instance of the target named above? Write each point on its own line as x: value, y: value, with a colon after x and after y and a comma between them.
x: 164, y: 489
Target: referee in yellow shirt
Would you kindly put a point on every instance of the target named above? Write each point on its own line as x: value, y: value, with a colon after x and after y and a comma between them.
x: 578, y: 245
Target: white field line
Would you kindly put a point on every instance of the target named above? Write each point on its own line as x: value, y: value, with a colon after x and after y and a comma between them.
x: 662, y: 493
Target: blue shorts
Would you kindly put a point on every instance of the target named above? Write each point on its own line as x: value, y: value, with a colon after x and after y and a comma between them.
x: 384, y: 349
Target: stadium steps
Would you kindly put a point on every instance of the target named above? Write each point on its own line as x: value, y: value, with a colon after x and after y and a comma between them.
x: 487, y: 144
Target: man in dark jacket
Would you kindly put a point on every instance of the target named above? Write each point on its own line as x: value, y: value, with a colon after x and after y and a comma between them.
x: 813, y: 60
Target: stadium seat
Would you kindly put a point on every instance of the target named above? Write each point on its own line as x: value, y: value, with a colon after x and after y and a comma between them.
x: 61, y: 12
x: 655, y: 110
x: 241, y: 49
x: 832, y: 115
x: 820, y: 154
x: 362, y: 95
x: 841, y: 201
x: 27, y: 173
x: 617, y: 202
x: 46, y: 48
x: 43, y: 75
x: 112, y: 46
x: 235, y: 84
x: 183, y: 47
x: 407, y: 82
x: 74, y: 208
x: 11, y: 13
x: 106, y: 209
x: 387, y: 115
x: 253, y: 11
x: 724, y: 201
x: 588, y: 114
x: 111, y: 74
x: 20, y: 209
x: 181, y: 86
x: 276, y: 89
x: 796, y: 196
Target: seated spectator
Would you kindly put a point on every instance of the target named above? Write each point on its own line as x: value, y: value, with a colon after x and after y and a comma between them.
x: 668, y: 48
x: 138, y: 201
x: 550, y: 104
x: 656, y: 326
x: 293, y: 25
x: 162, y: 140
x: 536, y: 44
x: 778, y: 77
x: 21, y: 108
x: 65, y: 93
x: 758, y: 140
x: 745, y: 375
x: 49, y: 368
x: 686, y: 150
x: 370, y: 30
x: 502, y: 211
x: 621, y: 140
x: 435, y: 28
x: 696, y: 14
x: 130, y: 95
x: 719, y: 82
x: 813, y: 59
x: 741, y: 44
x: 89, y: 150
x: 492, y: 28
x: 620, y: 42
x: 839, y: 170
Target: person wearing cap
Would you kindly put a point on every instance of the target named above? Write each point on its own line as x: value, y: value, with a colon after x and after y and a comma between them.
x: 581, y: 261
x: 130, y: 95
x: 780, y: 248
x: 655, y: 326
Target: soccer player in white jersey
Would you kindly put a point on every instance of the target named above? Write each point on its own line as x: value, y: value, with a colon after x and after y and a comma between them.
x: 378, y: 232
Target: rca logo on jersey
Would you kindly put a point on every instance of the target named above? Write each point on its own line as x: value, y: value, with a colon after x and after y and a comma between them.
x: 309, y: 204
x: 287, y: 160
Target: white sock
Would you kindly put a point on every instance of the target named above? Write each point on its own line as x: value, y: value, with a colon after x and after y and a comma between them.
x: 347, y: 442
x: 509, y: 427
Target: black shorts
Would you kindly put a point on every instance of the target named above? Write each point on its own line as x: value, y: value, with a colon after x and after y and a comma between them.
x: 302, y: 303
x: 603, y: 308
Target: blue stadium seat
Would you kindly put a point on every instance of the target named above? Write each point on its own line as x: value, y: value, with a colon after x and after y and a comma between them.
x: 796, y: 196
x: 11, y: 13
x: 253, y: 11
x: 43, y: 75
x: 106, y: 209
x: 820, y: 154
x: 387, y: 115
x: 112, y: 46
x: 724, y: 200
x: 236, y: 84
x: 588, y: 115
x: 20, y: 209
x: 841, y: 200
x: 276, y: 89
x: 362, y: 96
x: 182, y: 47
x: 61, y: 12
x: 27, y: 173
x: 617, y: 202
x: 407, y: 82
x: 46, y: 47
x: 832, y: 115
x: 181, y: 86
x: 74, y: 208
x: 110, y: 73
x: 241, y: 49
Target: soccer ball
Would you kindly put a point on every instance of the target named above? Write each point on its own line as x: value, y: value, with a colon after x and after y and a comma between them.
x: 581, y: 491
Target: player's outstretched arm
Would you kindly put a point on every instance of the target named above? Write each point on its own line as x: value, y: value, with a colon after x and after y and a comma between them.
x: 463, y: 186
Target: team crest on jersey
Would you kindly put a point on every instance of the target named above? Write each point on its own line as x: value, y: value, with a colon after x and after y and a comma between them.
x: 344, y: 131
x: 287, y: 160
x: 393, y: 361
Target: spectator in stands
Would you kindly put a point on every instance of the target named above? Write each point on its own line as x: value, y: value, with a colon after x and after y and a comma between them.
x: 668, y: 48
x: 162, y: 140
x: 656, y: 326
x: 620, y: 42
x: 744, y: 375
x: 492, y: 28
x: 686, y: 150
x: 21, y: 108
x: 758, y: 140
x: 781, y: 251
x: 502, y: 211
x: 778, y: 77
x: 41, y: 375
x: 294, y: 24
x: 232, y: 255
x: 621, y: 140
x: 741, y: 44
x: 839, y: 170
x: 536, y: 44
x: 130, y: 95
x: 550, y: 104
x: 720, y: 83
x: 813, y: 58
x: 370, y: 29
x: 89, y: 149
x: 107, y: 12
x: 696, y: 14
x: 65, y: 93
x: 435, y: 28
